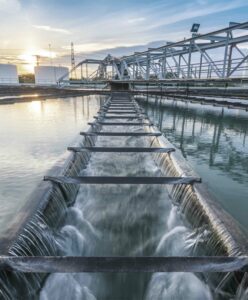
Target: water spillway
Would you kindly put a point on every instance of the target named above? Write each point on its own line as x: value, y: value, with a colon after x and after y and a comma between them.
x: 214, y: 141
x: 90, y: 208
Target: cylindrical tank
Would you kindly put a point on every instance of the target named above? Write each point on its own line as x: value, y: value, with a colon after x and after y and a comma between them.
x: 49, y: 75
x: 8, y: 74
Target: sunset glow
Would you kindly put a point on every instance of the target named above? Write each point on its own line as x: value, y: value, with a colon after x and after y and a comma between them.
x: 31, y: 57
x: 31, y: 25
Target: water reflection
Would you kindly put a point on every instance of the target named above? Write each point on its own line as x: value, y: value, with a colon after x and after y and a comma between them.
x: 33, y: 135
x: 213, y: 140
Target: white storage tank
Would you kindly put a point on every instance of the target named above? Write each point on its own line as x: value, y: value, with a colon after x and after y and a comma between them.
x: 49, y: 75
x: 8, y: 74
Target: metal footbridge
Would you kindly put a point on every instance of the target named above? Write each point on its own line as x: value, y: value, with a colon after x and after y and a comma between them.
x: 214, y: 57
x: 122, y: 109
x: 127, y: 108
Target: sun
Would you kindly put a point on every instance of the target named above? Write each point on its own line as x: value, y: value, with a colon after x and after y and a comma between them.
x: 31, y: 56
x: 28, y: 61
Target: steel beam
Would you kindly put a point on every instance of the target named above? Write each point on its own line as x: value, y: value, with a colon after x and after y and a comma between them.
x: 79, y: 264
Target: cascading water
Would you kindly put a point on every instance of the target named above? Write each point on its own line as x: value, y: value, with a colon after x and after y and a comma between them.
x: 38, y: 237
x: 121, y: 220
x: 124, y: 221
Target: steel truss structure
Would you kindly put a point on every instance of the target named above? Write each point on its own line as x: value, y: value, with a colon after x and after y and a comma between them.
x: 217, y: 54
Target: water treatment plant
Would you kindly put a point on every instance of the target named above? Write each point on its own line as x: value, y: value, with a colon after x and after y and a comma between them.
x: 125, y: 177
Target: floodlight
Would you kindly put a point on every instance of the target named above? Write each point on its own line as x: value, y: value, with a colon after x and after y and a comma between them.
x: 195, y: 27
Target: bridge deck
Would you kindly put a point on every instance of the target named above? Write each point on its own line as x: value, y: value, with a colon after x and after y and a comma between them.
x: 96, y: 131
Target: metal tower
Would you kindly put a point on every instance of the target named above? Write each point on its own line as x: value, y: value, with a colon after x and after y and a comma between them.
x: 73, y: 64
x: 37, y: 60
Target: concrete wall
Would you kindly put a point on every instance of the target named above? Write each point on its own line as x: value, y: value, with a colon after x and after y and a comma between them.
x: 49, y: 75
x: 8, y: 74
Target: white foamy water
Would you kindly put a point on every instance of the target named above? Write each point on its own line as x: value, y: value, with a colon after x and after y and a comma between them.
x: 123, y: 220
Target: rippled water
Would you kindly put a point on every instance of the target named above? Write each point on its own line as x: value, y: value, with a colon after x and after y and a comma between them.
x: 214, y: 140
x: 33, y: 136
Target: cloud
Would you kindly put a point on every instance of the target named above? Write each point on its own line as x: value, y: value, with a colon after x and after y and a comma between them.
x: 244, y: 46
x: 152, y: 22
x: 191, y: 11
x: 51, y: 29
x: 90, y: 48
x: 100, y: 51
x: 10, y: 6
x: 136, y: 20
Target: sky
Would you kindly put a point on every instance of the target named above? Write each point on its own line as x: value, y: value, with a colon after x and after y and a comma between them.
x: 99, y: 27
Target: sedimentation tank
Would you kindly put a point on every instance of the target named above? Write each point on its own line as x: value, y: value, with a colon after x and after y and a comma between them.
x: 49, y: 75
x: 8, y: 74
x: 69, y: 217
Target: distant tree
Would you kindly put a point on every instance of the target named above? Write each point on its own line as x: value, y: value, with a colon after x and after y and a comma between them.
x: 27, y: 78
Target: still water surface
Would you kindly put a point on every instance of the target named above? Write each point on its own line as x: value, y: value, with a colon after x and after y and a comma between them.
x: 214, y: 141
x: 33, y: 136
